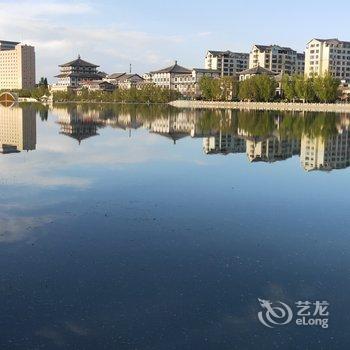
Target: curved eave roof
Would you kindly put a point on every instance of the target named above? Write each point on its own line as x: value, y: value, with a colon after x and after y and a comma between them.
x: 78, y: 63
x: 173, y: 69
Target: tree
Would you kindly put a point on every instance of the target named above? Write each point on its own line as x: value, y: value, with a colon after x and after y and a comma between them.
x: 43, y: 82
x: 259, y: 88
x: 210, y: 88
x: 305, y: 88
x: 266, y: 87
x: 229, y: 88
x: 288, y: 88
x: 326, y: 88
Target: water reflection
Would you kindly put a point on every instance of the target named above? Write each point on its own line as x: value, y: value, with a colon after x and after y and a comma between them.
x: 17, y: 129
x: 320, y: 139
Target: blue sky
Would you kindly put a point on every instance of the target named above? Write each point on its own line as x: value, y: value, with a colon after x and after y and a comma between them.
x: 152, y: 34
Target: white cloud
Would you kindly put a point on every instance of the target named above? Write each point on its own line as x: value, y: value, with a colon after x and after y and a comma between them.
x: 62, y: 30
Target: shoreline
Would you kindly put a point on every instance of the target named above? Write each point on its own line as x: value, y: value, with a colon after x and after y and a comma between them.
x: 267, y: 106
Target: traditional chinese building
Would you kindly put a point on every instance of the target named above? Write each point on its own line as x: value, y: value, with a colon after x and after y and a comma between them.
x: 76, y: 72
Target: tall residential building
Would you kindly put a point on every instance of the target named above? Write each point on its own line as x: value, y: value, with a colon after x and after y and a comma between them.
x: 17, y: 129
x: 328, y: 56
x: 228, y: 63
x: 17, y: 66
x: 277, y: 59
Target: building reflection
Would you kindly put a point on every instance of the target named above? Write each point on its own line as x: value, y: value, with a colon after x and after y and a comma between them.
x: 17, y: 129
x: 77, y: 123
x: 321, y: 140
x: 326, y: 154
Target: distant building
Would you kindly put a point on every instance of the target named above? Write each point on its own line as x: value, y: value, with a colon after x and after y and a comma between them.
x: 17, y: 66
x: 227, y: 62
x: 277, y: 59
x: 252, y: 72
x: 98, y: 85
x: 17, y: 129
x: 183, y: 80
x: 76, y: 72
x: 168, y: 77
x: 328, y: 56
x: 128, y: 81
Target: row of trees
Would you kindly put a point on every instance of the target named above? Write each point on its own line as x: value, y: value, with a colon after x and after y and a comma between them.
x: 146, y: 94
x: 262, y: 88
x: 314, y: 89
x: 223, y: 89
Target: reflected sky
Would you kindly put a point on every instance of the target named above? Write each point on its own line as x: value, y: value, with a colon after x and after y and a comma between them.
x: 136, y: 227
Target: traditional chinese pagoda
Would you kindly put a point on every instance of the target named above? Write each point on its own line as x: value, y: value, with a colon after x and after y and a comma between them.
x: 76, y: 72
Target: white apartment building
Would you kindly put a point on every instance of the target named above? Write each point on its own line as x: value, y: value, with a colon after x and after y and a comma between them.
x: 328, y: 56
x: 277, y: 59
x: 17, y: 66
x: 228, y: 63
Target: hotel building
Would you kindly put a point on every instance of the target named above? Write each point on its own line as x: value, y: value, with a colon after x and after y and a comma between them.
x: 277, y: 59
x: 228, y: 63
x: 17, y: 66
x: 328, y: 56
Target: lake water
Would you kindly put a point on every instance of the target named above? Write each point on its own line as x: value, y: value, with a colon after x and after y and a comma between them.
x: 135, y: 227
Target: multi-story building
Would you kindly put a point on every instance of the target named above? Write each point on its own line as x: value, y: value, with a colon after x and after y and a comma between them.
x: 277, y: 59
x: 328, y: 56
x: 228, y: 63
x: 17, y: 129
x: 17, y: 66
x: 168, y: 77
x: 74, y: 73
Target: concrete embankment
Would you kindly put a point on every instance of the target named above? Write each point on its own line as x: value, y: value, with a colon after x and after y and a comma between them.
x: 267, y: 106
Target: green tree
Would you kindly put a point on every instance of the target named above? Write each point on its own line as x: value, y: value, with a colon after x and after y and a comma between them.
x: 326, y: 88
x: 288, y: 87
x: 210, y: 88
x: 259, y: 88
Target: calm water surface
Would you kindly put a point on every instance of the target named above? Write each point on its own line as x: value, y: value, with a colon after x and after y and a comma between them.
x: 153, y: 228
